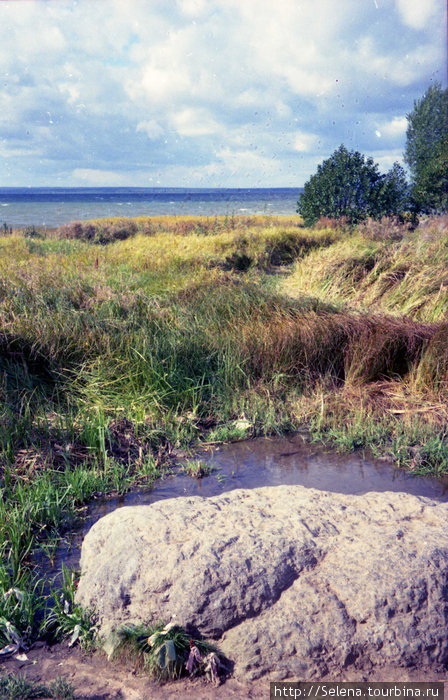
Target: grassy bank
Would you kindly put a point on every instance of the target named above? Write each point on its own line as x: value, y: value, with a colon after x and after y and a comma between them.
x: 122, y: 340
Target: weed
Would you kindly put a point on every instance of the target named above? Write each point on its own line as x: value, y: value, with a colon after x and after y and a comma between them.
x: 15, y: 687
x: 67, y: 620
x: 227, y: 433
x: 61, y: 689
x: 161, y: 650
x: 196, y: 468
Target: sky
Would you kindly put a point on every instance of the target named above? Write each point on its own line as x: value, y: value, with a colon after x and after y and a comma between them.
x: 208, y: 93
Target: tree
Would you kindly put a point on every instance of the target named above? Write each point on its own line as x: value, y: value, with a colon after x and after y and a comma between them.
x: 427, y: 150
x: 349, y: 185
x: 395, y: 198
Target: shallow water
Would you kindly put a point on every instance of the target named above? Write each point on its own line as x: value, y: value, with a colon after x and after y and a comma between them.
x: 264, y: 462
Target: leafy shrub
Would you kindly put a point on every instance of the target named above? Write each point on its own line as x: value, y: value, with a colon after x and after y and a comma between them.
x: 347, y: 185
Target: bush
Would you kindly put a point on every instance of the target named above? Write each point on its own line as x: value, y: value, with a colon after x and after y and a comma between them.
x: 348, y: 186
x: 101, y: 232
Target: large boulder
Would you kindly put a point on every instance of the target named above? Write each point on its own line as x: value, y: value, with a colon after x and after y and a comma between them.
x: 292, y: 582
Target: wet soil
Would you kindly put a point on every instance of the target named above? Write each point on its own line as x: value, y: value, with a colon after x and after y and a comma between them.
x: 94, y: 678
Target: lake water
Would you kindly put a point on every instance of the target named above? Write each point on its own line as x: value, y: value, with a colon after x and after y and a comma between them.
x: 43, y: 206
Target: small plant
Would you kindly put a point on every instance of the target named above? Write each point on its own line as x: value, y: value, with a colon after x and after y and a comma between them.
x: 228, y: 433
x: 20, y: 608
x: 161, y: 650
x: 60, y: 689
x: 66, y: 619
x: 13, y: 687
x: 197, y: 469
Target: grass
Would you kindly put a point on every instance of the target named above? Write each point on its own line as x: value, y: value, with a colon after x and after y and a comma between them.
x: 196, y: 468
x: 403, y: 274
x: 122, y: 340
x: 16, y: 687
x: 67, y: 620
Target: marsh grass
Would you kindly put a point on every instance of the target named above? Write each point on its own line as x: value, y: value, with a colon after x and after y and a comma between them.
x: 112, y: 356
x: 197, y: 468
x: 403, y: 275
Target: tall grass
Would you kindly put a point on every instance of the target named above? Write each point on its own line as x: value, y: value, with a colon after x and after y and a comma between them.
x: 403, y: 275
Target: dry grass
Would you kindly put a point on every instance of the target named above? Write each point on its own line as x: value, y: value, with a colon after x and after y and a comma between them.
x: 400, y: 275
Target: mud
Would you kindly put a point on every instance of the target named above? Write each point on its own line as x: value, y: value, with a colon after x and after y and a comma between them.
x: 94, y: 678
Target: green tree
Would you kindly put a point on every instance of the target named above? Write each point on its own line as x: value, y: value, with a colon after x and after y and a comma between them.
x: 395, y: 195
x: 349, y: 185
x: 427, y: 150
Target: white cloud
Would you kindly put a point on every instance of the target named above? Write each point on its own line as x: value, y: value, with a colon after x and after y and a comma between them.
x: 247, y: 163
x: 99, y: 178
x: 417, y: 13
x: 194, y: 122
x: 192, y: 8
x: 396, y: 127
x: 218, y: 87
x: 303, y: 142
x: 151, y: 128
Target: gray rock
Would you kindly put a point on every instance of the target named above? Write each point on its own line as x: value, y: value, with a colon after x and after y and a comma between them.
x: 292, y: 582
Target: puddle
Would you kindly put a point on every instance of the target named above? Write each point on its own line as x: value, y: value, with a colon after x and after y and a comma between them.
x: 264, y: 462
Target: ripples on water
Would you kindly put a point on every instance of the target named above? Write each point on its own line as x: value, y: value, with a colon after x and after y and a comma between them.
x: 53, y: 207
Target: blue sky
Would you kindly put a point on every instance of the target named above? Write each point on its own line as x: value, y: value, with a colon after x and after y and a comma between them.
x: 208, y: 93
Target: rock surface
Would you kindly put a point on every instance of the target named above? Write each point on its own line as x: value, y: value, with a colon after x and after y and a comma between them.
x: 293, y: 582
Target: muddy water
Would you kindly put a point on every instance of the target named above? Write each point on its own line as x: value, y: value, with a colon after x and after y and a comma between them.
x: 265, y: 462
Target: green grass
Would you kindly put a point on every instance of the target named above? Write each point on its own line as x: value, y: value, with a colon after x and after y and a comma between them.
x: 16, y: 687
x: 197, y: 469
x: 65, y: 619
x: 121, y: 340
